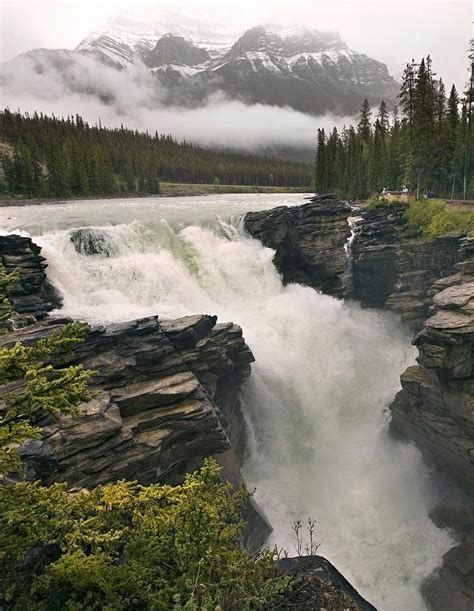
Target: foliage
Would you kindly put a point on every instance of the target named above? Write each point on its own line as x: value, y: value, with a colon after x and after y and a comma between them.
x: 126, y: 546
x: 426, y: 145
x: 38, y: 388
x: 433, y: 218
x: 62, y: 157
x: 6, y: 280
x: 378, y: 201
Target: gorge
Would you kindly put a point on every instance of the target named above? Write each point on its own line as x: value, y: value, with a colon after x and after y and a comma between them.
x: 325, y: 370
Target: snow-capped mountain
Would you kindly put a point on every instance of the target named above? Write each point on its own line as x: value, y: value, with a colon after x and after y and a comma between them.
x: 307, y: 70
x: 117, y: 46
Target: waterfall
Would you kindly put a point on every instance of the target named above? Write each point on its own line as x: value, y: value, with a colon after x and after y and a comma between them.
x: 346, y: 277
x: 316, y: 403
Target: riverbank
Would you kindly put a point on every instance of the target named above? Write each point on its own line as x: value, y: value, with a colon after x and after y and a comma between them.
x: 168, y: 189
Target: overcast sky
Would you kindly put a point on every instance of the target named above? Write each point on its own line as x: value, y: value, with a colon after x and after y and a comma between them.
x: 392, y: 32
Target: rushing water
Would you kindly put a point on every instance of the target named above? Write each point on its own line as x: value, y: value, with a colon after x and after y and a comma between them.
x: 316, y: 403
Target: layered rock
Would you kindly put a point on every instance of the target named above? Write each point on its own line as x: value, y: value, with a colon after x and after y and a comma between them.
x: 308, y: 240
x: 156, y: 407
x: 393, y: 270
x: 436, y: 404
x: 31, y: 295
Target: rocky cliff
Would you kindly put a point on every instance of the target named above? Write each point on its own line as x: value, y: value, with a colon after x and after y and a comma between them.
x: 393, y: 270
x: 435, y: 408
x: 309, y: 241
x: 435, y: 405
x: 31, y: 296
x: 156, y: 410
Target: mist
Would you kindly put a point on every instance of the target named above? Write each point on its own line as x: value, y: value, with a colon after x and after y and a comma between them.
x: 390, y: 31
x: 135, y: 99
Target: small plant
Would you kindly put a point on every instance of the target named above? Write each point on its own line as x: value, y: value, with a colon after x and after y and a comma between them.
x: 310, y: 547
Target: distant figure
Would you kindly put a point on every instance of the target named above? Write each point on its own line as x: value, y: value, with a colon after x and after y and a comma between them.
x: 384, y: 191
x: 404, y: 189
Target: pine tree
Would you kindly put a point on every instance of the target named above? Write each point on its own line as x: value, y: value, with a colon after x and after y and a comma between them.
x: 320, y: 169
x: 364, y: 126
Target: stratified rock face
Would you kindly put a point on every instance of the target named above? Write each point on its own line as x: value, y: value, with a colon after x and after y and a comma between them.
x: 156, y: 410
x: 31, y: 296
x: 392, y: 270
x: 320, y: 586
x: 309, y: 241
x: 436, y: 404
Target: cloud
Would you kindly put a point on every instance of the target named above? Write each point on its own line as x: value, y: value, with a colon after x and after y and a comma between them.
x: 392, y: 31
x: 68, y: 84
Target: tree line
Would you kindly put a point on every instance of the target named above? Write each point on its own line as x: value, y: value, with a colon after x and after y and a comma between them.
x: 425, y: 142
x: 51, y: 156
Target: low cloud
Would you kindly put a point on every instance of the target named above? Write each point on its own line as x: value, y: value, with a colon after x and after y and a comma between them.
x: 65, y: 84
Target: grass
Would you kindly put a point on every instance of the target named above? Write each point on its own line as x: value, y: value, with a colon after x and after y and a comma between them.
x: 173, y: 187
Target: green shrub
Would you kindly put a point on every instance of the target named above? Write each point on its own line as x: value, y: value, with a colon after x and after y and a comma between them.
x: 421, y: 213
x: 379, y: 201
x: 449, y: 220
x: 126, y: 546
x: 432, y: 218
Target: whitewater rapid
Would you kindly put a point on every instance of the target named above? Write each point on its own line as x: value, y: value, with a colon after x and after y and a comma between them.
x: 316, y: 403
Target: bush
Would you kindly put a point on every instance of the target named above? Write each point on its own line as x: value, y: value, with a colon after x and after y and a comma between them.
x: 421, y: 213
x: 378, y: 201
x: 432, y: 218
x: 126, y: 546
x: 449, y: 220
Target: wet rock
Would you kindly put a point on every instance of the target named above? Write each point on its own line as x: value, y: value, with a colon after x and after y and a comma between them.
x: 452, y: 586
x: 31, y: 296
x: 308, y: 241
x: 89, y: 241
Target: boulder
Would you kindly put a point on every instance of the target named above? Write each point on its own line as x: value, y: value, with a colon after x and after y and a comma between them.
x: 88, y: 241
x: 319, y: 585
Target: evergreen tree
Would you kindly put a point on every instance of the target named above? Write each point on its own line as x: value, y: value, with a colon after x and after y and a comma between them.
x: 425, y: 146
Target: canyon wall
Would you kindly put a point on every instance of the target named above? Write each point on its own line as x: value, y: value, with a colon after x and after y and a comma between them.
x: 393, y: 268
x: 309, y: 241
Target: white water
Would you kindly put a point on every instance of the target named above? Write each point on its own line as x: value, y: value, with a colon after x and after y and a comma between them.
x: 316, y: 403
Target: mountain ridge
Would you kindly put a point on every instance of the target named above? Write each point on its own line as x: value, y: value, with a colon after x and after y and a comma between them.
x: 308, y: 70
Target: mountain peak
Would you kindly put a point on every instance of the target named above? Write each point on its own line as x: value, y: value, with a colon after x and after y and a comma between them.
x: 174, y: 49
x: 257, y: 38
